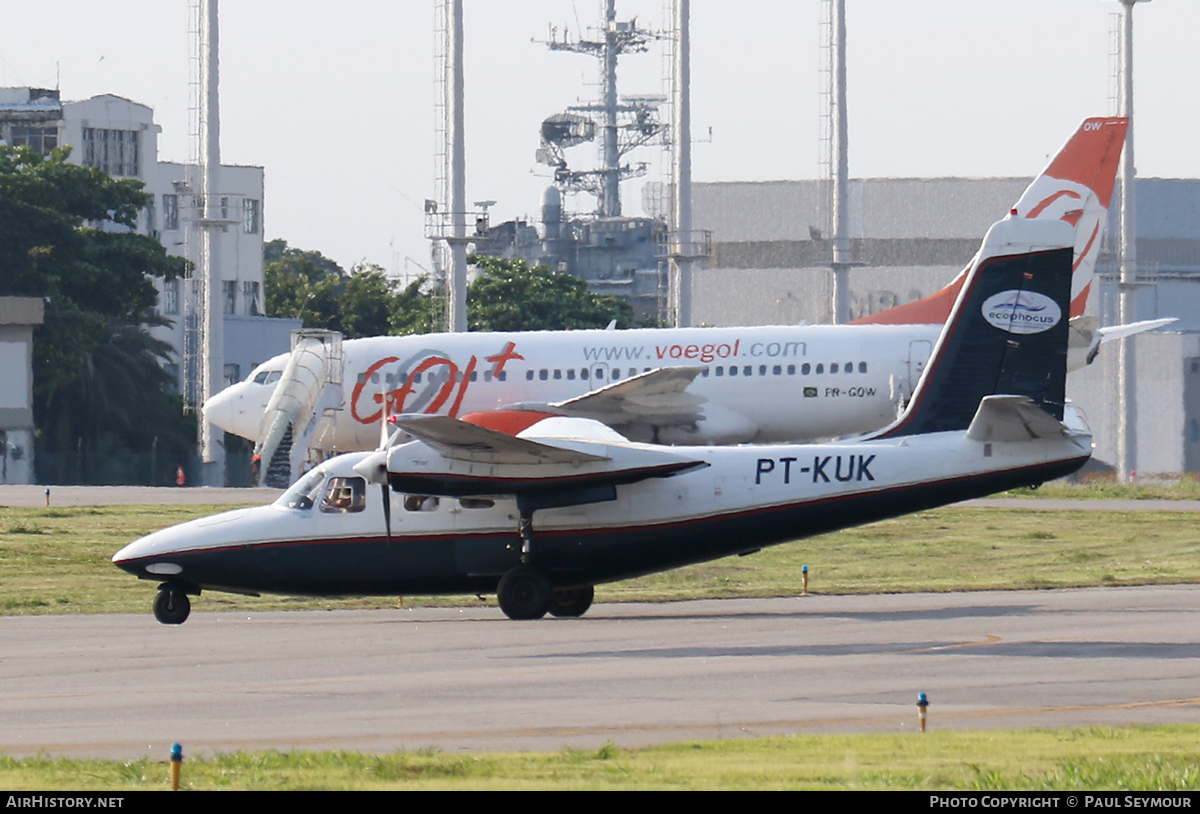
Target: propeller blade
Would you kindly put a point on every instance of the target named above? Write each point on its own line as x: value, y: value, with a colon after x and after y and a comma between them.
x: 387, y: 509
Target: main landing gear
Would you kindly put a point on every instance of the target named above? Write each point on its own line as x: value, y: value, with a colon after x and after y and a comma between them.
x: 525, y: 593
x: 572, y: 601
x: 171, y: 606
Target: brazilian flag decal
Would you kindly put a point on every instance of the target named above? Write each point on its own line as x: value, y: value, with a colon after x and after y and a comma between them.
x: 810, y: 392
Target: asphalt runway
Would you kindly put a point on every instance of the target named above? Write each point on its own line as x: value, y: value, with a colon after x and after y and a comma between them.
x: 126, y: 686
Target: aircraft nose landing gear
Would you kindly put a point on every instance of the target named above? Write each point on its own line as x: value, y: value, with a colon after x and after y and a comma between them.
x: 172, y: 606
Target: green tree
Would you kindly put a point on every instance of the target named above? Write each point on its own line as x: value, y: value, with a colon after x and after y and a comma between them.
x: 66, y: 236
x: 509, y: 295
x: 363, y: 302
x: 301, y: 284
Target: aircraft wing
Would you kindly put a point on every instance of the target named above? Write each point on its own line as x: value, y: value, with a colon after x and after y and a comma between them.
x: 659, y: 396
x: 469, y: 442
x: 1012, y: 418
x: 1086, y: 337
x: 454, y: 458
x: 1111, y: 332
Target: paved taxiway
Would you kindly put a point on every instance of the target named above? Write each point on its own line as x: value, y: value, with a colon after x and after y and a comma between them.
x: 124, y: 685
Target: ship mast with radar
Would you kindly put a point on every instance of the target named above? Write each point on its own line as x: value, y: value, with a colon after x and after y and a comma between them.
x: 622, y: 123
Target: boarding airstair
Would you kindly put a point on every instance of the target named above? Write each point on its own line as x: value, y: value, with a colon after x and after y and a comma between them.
x: 302, y: 407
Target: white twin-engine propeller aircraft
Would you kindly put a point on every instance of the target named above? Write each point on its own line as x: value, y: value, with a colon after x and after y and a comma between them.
x: 542, y: 517
x: 684, y: 386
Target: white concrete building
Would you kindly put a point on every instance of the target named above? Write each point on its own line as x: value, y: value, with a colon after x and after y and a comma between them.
x: 120, y: 137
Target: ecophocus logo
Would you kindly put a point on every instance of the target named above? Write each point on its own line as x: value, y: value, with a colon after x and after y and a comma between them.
x: 1021, y: 312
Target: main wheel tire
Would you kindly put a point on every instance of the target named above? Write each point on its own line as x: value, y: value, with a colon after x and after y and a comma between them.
x: 172, y: 607
x: 572, y: 601
x: 524, y: 593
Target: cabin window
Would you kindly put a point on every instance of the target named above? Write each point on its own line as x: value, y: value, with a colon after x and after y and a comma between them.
x: 528, y: 375
x: 583, y: 373
x: 474, y: 376
x: 720, y: 370
x: 820, y: 368
x: 748, y: 370
x: 704, y: 372
x: 777, y: 370
x: 805, y: 369
x: 557, y: 374
x: 571, y: 374
x: 833, y: 367
x: 503, y: 376
x: 733, y: 370
x: 343, y: 495
x: 543, y: 374
x: 792, y: 370
x: 616, y: 373
x: 420, y: 503
x: 849, y: 368
x: 862, y: 367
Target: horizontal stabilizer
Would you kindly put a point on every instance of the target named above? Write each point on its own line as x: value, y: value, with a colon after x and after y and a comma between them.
x: 1012, y: 418
x: 468, y: 442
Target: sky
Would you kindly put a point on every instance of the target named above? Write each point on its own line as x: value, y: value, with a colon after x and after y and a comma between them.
x: 336, y: 102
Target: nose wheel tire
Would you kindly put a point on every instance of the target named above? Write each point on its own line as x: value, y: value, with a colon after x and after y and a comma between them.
x: 524, y: 593
x: 172, y: 607
x: 572, y: 601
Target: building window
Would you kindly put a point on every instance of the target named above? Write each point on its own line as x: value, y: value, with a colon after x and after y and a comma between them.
x: 233, y: 373
x: 113, y: 151
x: 170, y: 205
x: 250, y: 216
x: 151, y: 228
x: 42, y: 139
x: 250, y: 295
x: 170, y: 296
x: 230, y: 288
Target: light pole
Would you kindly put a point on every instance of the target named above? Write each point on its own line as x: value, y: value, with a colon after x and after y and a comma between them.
x: 1126, y: 351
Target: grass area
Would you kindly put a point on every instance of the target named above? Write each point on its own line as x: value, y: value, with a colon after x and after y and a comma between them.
x: 1177, y: 487
x: 1158, y: 758
x: 57, y: 560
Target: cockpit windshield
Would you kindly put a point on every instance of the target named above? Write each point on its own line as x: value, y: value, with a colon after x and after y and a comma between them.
x: 303, y: 493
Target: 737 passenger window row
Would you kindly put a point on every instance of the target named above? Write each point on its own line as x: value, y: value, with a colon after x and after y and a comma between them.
x: 806, y: 369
